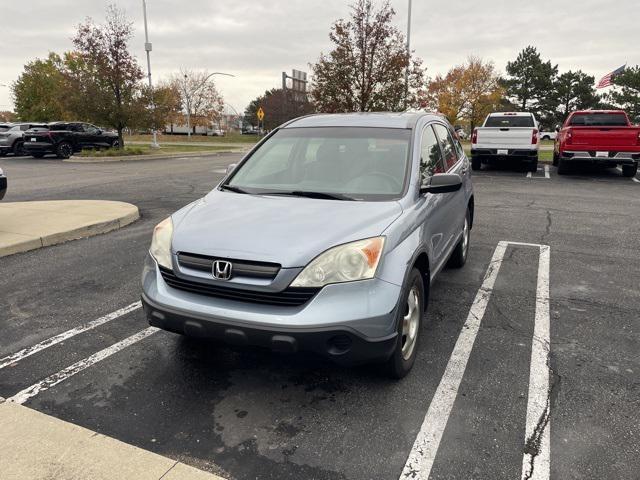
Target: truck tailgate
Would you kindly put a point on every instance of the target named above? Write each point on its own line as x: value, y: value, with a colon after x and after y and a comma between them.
x: 605, y: 138
x: 505, y: 137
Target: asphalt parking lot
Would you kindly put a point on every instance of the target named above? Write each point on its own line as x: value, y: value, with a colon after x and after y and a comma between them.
x: 553, y: 272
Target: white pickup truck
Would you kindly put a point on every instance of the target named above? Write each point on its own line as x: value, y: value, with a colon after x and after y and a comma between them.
x: 506, y: 135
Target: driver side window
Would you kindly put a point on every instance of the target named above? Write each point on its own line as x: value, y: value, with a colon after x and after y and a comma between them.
x: 431, y: 161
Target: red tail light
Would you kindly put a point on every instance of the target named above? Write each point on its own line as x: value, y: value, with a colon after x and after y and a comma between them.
x: 474, y: 136
x: 534, y: 137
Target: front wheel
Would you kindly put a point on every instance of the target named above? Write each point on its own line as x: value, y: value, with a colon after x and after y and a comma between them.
x: 409, y: 319
x: 18, y: 149
x: 64, y: 150
x: 476, y: 163
x: 629, y: 170
x: 115, y: 144
x: 563, y: 167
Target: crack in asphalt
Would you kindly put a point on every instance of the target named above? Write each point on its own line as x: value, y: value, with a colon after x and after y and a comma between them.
x: 534, y: 441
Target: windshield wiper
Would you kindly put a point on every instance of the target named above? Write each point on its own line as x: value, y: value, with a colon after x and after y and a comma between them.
x: 308, y: 194
x: 231, y: 188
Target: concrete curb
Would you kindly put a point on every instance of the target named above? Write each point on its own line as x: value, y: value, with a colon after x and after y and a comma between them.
x: 164, y: 156
x: 37, y: 446
x: 14, y: 241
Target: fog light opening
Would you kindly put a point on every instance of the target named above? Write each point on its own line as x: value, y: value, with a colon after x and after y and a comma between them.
x: 339, y: 344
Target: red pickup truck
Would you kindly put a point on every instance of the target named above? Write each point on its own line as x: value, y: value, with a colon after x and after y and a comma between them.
x: 605, y: 137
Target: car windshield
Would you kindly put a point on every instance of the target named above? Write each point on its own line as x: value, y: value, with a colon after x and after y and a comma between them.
x: 347, y: 163
x: 508, y: 121
x: 598, y: 120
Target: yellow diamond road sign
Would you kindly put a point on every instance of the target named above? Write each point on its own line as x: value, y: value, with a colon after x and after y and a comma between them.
x: 260, y: 114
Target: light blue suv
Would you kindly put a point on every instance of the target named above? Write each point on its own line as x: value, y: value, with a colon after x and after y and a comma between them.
x: 324, y: 238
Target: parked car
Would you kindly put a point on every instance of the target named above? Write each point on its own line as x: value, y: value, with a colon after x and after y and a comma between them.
x: 65, y: 138
x: 506, y: 135
x: 604, y: 137
x: 12, y: 137
x: 548, y: 135
x: 216, y: 132
x: 325, y: 238
x: 3, y: 184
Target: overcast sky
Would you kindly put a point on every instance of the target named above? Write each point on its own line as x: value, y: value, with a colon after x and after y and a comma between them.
x: 257, y: 40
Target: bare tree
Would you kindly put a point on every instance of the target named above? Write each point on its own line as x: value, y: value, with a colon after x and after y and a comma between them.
x: 199, y: 96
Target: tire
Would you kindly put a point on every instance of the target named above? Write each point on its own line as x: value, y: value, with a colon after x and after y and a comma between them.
x: 64, y: 150
x: 37, y: 155
x: 476, y: 163
x: 533, y: 166
x: 460, y: 253
x: 115, y: 144
x: 546, y: 137
x: 629, y: 170
x: 555, y: 159
x: 409, y: 319
x: 563, y: 167
x: 18, y: 149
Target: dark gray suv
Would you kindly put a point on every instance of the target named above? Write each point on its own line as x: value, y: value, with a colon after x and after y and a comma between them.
x: 326, y: 237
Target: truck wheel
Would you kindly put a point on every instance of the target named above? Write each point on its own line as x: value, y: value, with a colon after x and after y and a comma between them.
x: 64, y: 150
x: 555, y: 159
x: 409, y: 318
x: 629, y: 170
x: 476, y: 163
x: 18, y: 149
x: 563, y: 167
x: 533, y: 166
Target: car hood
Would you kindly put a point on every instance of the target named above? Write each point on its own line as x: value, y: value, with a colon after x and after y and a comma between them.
x: 290, y: 231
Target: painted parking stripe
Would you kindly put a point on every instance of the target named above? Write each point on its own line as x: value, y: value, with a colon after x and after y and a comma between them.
x: 546, y: 173
x: 425, y: 447
x: 52, y: 380
x: 27, y: 352
x: 536, y: 459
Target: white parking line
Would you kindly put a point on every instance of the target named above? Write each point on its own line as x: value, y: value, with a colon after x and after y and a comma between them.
x: 536, y: 459
x: 425, y: 447
x: 68, y: 372
x: 26, y: 352
x: 546, y: 173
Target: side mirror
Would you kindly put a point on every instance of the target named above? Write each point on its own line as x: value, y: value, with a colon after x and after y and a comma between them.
x: 231, y: 168
x: 557, y: 128
x: 442, y: 183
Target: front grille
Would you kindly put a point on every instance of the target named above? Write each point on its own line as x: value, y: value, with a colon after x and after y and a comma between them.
x: 240, y: 268
x: 291, y: 297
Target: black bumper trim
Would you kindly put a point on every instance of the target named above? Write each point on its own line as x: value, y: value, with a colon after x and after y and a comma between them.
x: 341, y: 345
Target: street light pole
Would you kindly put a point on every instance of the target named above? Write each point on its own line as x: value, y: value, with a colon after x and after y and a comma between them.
x: 188, y: 96
x: 147, y: 47
x: 406, y: 73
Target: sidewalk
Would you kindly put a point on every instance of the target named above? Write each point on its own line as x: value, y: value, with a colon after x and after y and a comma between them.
x: 36, y: 446
x: 26, y: 226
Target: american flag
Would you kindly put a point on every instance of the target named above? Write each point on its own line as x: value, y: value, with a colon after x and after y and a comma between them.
x: 607, y: 80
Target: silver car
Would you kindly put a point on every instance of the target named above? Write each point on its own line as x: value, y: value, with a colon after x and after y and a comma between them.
x: 324, y: 238
x: 11, y: 137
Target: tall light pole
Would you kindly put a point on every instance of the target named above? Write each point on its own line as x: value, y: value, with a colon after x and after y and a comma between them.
x: 147, y: 48
x: 406, y: 72
x: 188, y: 94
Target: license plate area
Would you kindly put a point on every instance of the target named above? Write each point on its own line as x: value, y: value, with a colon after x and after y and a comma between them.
x: 33, y: 139
x: 602, y: 154
x: 502, y: 151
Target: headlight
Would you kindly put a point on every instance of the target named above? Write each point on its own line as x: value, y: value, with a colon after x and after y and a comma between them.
x: 344, y: 263
x: 161, y: 243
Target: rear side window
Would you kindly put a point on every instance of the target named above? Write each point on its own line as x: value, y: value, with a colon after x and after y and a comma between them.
x: 598, y: 120
x: 431, y: 161
x: 446, y: 145
x: 509, y: 121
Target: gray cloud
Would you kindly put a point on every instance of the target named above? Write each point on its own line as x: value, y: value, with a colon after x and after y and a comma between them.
x: 258, y: 40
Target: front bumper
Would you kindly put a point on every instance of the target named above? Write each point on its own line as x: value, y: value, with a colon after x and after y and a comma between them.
x: 348, y: 323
